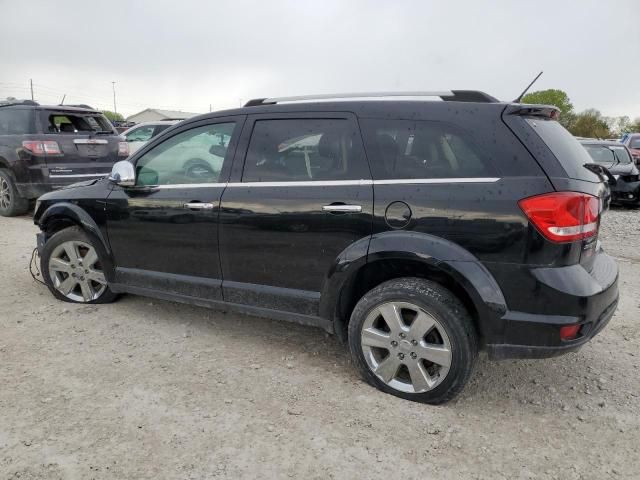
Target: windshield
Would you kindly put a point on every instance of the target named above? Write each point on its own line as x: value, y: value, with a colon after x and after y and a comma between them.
x: 608, y: 154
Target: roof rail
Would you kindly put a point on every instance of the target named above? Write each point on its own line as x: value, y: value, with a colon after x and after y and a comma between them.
x: 5, y: 103
x: 446, y: 95
x: 77, y: 105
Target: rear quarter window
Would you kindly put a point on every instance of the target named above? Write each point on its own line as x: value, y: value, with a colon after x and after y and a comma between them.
x: 569, y: 152
x: 406, y: 149
x: 16, y: 121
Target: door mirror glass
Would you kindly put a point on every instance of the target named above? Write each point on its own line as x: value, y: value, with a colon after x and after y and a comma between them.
x: 123, y: 174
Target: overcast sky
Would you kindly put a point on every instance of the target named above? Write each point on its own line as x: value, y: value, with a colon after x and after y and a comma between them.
x: 189, y: 54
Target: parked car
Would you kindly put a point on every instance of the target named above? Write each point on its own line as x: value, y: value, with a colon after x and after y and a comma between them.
x: 617, y: 159
x: 141, y: 133
x: 632, y: 141
x: 43, y: 148
x: 420, y: 232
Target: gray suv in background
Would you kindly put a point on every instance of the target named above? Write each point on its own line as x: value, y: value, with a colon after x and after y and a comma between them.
x: 44, y: 148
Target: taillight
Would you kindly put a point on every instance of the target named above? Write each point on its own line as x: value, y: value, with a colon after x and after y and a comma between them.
x: 563, y: 216
x: 123, y: 149
x: 42, y: 147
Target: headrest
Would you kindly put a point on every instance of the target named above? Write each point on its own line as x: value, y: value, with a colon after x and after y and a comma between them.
x: 329, y: 145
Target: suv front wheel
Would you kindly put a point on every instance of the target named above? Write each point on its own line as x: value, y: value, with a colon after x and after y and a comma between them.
x: 11, y: 203
x: 73, y: 265
x: 414, y: 339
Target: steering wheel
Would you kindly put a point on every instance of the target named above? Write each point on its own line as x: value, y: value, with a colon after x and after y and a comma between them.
x: 197, y: 168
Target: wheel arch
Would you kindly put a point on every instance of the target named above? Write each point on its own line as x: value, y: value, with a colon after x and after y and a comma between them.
x: 64, y: 214
x: 399, y: 254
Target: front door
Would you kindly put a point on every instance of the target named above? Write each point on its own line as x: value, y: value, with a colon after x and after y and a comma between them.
x: 164, y: 231
x: 302, y: 196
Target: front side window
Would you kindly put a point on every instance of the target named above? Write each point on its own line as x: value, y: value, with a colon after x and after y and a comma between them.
x: 404, y: 149
x: 190, y: 157
x: 304, y: 150
x: 141, y: 134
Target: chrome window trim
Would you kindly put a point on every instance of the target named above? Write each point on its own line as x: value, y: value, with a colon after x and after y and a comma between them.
x: 79, y: 175
x: 336, y: 183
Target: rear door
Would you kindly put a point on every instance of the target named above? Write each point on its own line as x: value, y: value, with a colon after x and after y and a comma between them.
x: 299, y: 198
x: 87, y: 140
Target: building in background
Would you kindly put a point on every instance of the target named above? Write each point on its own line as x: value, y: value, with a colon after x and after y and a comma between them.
x: 155, y: 114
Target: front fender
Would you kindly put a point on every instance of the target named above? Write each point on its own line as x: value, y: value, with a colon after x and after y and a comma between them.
x: 74, y: 213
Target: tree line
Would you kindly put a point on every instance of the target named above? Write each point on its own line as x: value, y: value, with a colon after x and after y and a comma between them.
x: 589, y: 123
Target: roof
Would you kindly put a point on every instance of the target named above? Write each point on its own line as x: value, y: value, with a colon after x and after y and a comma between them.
x: 167, y: 114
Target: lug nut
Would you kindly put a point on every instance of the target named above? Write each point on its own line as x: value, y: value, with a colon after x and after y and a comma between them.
x: 401, y: 356
x: 414, y: 342
x: 394, y: 343
x: 413, y: 355
x: 402, y: 335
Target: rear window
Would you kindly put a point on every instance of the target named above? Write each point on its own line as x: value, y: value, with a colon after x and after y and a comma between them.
x: 608, y: 154
x: 569, y: 152
x: 67, y: 122
x: 16, y: 121
x: 403, y: 149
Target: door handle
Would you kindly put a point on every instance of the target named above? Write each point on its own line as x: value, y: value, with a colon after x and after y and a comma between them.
x: 198, y: 206
x: 341, y: 208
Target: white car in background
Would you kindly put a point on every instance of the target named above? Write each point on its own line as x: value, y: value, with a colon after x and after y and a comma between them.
x: 141, y: 133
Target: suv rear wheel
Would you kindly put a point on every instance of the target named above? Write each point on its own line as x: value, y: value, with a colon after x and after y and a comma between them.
x: 414, y: 339
x: 11, y: 203
x: 73, y: 265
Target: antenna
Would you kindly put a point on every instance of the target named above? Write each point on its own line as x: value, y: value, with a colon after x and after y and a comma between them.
x: 517, y: 100
x: 63, y: 97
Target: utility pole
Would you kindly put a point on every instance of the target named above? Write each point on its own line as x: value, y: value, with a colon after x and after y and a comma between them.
x: 113, y: 85
x: 31, y: 85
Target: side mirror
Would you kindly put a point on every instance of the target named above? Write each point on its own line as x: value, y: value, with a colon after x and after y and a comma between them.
x: 123, y: 174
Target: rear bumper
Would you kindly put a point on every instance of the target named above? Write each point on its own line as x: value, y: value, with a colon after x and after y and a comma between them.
x: 571, y: 295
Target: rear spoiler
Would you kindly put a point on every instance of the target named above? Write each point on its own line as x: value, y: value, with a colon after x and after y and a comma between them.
x: 543, y: 111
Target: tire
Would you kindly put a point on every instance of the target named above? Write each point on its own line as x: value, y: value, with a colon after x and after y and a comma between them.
x: 73, y: 264
x: 11, y: 203
x: 375, y: 326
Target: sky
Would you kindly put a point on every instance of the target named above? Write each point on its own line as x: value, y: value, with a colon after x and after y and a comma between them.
x: 193, y: 55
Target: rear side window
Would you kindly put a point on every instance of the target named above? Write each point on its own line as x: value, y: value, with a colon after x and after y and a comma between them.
x: 404, y: 149
x: 304, y: 150
x: 16, y: 121
x: 66, y: 122
x: 569, y: 152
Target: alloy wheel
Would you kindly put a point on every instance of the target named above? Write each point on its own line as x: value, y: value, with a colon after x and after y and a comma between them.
x: 5, y: 194
x: 406, y: 347
x: 76, y: 272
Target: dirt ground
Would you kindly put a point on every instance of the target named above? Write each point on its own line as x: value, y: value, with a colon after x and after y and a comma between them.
x: 150, y: 389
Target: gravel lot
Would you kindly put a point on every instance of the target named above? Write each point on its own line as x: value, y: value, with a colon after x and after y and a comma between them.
x: 150, y: 389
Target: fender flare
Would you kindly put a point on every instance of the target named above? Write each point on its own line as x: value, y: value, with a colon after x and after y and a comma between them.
x: 434, y: 252
x: 77, y: 215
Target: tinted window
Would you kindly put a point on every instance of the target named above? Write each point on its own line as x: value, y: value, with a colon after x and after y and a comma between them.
x: 16, y: 121
x: 569, y: 152
x: 161, y: 128
x: 608, y: 154
x: 304, y: 150
x: 402, y: 149
x: 192, y: 156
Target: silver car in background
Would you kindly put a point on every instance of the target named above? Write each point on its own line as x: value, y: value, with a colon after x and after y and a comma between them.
x: 141, y: 133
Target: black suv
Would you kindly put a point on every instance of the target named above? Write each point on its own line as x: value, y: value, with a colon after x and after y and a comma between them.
x: 43, y: 148
x: 418, y: 231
